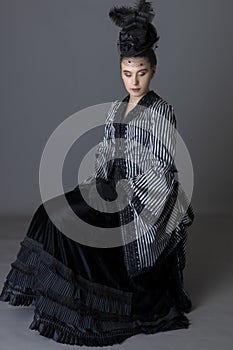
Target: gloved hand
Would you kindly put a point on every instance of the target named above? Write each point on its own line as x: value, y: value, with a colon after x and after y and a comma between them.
x: 106, y: 189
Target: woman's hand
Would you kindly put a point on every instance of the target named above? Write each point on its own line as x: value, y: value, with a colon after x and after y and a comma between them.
x: 106, y: 189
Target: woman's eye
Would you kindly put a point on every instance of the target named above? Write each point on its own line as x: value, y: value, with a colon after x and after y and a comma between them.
x: 141, y: 74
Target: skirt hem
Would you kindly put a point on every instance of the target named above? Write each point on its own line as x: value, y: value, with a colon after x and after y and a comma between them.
x: 60, y: 334
x: 73, y: 310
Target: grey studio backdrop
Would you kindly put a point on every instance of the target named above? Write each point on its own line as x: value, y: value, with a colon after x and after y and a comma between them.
x: 58, y: 57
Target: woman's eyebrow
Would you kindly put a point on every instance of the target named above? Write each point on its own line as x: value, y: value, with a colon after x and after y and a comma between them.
x: 125, y: 70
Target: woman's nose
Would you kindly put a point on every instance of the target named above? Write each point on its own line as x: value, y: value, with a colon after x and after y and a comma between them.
x: 134, y: 80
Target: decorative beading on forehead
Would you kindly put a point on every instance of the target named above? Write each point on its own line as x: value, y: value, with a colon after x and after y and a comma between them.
x: 141, y: 64
x: 133, y: 63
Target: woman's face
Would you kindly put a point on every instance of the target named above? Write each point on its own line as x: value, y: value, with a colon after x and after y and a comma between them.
x: 137, y: 73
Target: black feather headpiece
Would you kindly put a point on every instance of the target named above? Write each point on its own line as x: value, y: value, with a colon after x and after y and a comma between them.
x: 137, y: 33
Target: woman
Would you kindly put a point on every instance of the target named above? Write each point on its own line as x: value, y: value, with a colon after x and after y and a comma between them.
x: 95, y: 296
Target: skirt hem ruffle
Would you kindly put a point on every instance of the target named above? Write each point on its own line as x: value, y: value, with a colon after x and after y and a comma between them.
x: 73, y: 310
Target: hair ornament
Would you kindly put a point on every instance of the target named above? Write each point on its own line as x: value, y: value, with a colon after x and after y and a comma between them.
x: 137, y: 32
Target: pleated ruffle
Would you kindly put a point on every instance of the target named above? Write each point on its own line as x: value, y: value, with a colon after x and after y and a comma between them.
x: 73, y: 310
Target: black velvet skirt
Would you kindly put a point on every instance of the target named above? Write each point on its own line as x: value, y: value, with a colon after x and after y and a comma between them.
x: 82, y: 295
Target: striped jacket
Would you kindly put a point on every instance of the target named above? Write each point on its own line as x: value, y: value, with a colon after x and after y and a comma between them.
x: 140, y: 148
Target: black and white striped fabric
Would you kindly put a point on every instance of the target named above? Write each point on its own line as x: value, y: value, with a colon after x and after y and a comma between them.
x: 140, y: 148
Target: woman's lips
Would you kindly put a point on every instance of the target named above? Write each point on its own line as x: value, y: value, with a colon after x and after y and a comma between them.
x: 136, y: 89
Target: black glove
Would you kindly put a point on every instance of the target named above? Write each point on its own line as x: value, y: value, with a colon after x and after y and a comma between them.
x: 106, y: 189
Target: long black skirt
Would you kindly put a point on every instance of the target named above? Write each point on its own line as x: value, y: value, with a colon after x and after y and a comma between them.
x: 82, y: 294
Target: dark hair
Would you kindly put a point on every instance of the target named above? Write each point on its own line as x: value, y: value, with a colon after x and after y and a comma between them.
x: 148, y: 53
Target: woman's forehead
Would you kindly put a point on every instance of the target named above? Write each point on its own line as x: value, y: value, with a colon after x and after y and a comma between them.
x: 135, y: 62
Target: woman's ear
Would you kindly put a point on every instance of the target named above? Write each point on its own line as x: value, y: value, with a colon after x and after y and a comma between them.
x: 153, y: 71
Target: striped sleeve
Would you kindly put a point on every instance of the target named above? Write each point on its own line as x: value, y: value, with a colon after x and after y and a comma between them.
x: 154, y: 186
